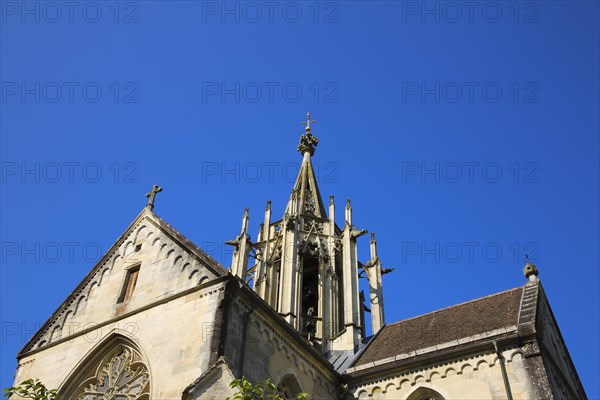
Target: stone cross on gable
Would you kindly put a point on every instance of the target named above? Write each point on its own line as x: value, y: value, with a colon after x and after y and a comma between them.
x: 151, y: 196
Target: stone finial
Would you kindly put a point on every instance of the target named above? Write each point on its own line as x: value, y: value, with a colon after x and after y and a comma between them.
x: 331, y: 198
x: 530, y: 271
x: 308, y: 142
x: 308, y: 122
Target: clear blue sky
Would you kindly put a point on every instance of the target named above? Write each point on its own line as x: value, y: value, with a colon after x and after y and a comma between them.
x: 466, y: 137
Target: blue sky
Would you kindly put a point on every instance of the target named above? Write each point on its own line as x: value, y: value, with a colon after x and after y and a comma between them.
x: 465, y: 136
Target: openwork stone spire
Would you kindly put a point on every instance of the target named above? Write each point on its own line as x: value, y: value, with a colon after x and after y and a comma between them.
x: 307, y: 266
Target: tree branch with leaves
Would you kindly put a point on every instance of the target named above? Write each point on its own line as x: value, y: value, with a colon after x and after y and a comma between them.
x: 31, y: 389
x: 265, y: 390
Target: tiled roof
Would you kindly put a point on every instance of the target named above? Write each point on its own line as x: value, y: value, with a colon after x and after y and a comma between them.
x: 476, y: 317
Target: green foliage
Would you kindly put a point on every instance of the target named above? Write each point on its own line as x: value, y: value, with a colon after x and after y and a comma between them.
x: 261, y: 391
x: 31, y: 389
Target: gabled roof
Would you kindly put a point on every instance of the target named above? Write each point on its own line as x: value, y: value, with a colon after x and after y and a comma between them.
x: 205, y: 381
x: 167, y: 229
x: 480, y: 318
x: 207, y: 260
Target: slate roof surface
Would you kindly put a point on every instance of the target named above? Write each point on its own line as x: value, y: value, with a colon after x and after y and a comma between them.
x: 497, y: 311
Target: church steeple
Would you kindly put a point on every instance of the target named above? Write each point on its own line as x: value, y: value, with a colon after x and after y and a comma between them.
x: 307, y: 266
x: 305, y: 196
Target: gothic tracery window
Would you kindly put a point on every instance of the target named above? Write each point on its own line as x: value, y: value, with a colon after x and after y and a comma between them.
x: 121, y: 377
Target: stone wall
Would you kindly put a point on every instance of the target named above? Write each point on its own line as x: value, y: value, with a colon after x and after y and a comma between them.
x: 478, y: 377
x: 170, y: 317
x: 271, y: 351
x: 166, y: 268
x: 173, y: 337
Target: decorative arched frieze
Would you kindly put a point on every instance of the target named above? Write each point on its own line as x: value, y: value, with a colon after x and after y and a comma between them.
x: 68, y: 314
x: 91, y: 289
x: 516, y: 355
x: 424, y: 377
x: 434, y: 375
x: 128, y: 249
x: 185, y: 266
x: 466, y: 368
x: 389, y: 387
x: 102, y: 275
x: 56, y: 333
x: 162, y: 252
x: 403, y: 383
x: 138, y: 234
x: 79, y: 305
x: 375, y: 389
x: 449, y: 372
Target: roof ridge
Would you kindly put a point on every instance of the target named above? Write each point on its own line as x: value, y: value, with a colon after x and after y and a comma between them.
x: 456, y: 305
x: 186, y: 242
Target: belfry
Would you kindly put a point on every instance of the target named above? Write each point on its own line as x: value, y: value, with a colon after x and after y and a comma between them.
x: 307, y: 266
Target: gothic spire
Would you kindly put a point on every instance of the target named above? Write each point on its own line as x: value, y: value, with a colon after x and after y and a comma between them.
x: 307, y: 266
x: 306, y: 197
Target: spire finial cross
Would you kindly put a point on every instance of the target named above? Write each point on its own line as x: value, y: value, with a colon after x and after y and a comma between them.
x: 308, y: 122
x: 152, y: 196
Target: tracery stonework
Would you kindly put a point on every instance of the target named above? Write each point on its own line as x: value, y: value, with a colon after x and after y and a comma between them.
x: 123, y: 377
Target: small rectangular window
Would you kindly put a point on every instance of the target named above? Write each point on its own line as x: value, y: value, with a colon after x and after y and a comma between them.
x: 129, y: 285
x: 138, y: 247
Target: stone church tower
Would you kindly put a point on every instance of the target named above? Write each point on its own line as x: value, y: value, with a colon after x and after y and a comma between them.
x: 307, y: 267
x: 157, y: 318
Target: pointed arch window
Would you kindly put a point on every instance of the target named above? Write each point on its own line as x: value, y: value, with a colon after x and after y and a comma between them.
x: 120, y: 375
x: 424, y: 393
x: 289, y: 387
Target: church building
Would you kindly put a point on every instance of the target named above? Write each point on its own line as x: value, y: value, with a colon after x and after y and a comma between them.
x: 157, y: 318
